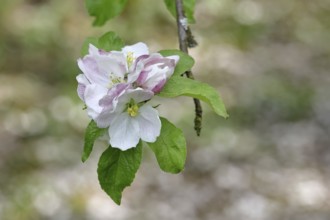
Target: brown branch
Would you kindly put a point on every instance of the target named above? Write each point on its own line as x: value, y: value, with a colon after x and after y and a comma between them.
x: 186, y: 39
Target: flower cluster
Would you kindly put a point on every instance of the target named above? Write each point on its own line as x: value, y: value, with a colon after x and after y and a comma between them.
x: 116, y: 87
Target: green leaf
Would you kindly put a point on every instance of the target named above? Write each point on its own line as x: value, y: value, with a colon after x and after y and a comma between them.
x: 170, y: 148
x: 108, y: 41
x: 185, y: 63
x: 91, y: 134
x: 116, y: 170
x: 180, y: 86
x: 188, y: 7
x: 104, y: 10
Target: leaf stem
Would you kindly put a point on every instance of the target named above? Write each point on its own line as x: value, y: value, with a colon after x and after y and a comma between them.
x: 185, y: 38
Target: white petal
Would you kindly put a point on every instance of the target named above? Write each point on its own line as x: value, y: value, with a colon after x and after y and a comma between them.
x: 92, y: 50
x: 93, y: 94
x: 124, y: 132
x: 104, y: 119
x: 149, y: 123
x: 81, y: 78
x: 139, y: 95
x: 137, y: 49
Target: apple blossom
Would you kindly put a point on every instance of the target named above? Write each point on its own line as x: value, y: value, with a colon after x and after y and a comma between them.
x: 131, y: 120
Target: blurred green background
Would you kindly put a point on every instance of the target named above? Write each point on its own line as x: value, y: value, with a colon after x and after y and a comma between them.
x: 270, y: 160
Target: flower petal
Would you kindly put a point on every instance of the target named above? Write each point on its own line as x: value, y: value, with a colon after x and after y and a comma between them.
x: 101, y: 67
x: 149, y: 123
x: 92, y: 50
x: 157, y: 88
x: 124, y: 132
x: 93, y: 94
x: 138, y: 94
x: 113, y: 63
x: 137, y: 49
x: 82, y: 83
x: 110, y: 104
x: 104, y: 119
x: 90, y: 67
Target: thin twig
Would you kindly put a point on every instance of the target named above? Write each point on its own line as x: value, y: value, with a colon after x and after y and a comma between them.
x: 184, y: 35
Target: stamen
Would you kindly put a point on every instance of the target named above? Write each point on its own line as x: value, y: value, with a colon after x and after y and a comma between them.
x: 133, y: 110
x: 130, y: 59
x: 114, y: 80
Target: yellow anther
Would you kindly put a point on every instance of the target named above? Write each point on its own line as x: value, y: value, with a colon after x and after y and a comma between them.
x: 130, y: 58
x: 117, y: 80
x: 133, y: 110
x: 114, y: 80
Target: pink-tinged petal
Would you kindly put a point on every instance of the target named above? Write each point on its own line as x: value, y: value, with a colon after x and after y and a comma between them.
x: 175, y: 58
x: 149, y: 123
x: 142, y: 77
x: 82, y: 83
x: 159, y: 86
x: 156, y: 78
x: 109, y: 103
x: 173, y: 61
x: 93, y: 94
x: 137, y: 49
x: 92, y: 50
x: 124, y: 132
x: 113, y: 94
x: 136, y: 69
x: 102, y: 67
x: 89, y: 66
x: 116, y: 63
x: 81, y: 90
x: 110, y: 67
x: 154, y: 70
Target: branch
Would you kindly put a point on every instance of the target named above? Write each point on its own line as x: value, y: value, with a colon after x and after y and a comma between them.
x: 186, y: 39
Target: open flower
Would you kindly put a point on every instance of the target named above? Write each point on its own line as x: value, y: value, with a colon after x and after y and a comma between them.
x: 107, y: 68
x: 102, y: 68
x: 131, y: 120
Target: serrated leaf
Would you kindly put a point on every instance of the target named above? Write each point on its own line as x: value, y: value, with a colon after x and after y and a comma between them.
x: 185, y: 63
x: 116, y: 170
x: 104, y: 10
x: 170, y: 148
x: 108, y: 41
x: 188, y: 7
x: 180, y: 86
x: 91, y: 134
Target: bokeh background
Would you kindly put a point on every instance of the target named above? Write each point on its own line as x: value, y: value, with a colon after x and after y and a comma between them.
x: 270, y: 160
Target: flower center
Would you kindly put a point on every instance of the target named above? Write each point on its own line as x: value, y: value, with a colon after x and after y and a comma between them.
x: 133, y: 110
x: 115, y: 80
x: 130, y: 59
